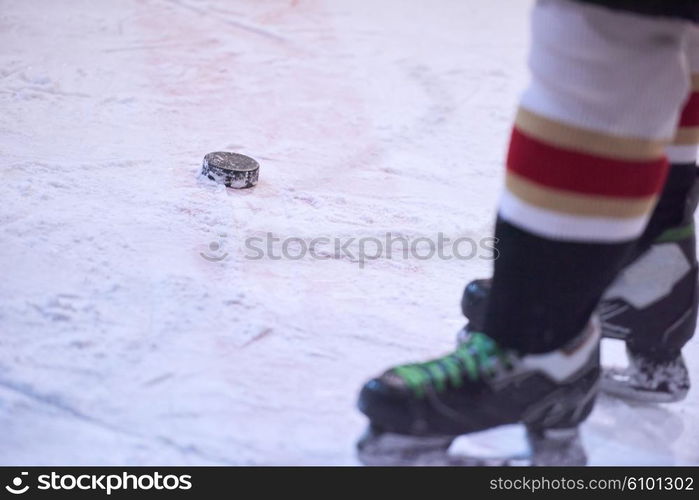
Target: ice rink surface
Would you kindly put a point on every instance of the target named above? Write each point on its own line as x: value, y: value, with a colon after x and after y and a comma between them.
x: 135, y: 330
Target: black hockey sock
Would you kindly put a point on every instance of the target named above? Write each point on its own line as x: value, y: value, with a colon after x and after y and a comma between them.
x: 544, y: 291
x: 568, y: 221
x: 675, y: 208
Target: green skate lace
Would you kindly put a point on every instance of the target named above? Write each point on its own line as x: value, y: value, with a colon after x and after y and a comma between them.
x: 478, y: 355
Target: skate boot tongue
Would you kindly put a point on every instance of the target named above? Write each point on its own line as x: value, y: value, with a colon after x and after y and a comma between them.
x: 477, y: 356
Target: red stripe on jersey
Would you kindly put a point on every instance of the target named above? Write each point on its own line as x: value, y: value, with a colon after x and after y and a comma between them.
x: 690, y: 112
x: 581, y: 172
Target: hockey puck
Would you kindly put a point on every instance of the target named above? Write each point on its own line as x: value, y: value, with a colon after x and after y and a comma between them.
x: 232, y: 169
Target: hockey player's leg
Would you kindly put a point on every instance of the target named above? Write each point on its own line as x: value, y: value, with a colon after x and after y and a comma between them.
x: 585, y: 168
x: 652, y: 305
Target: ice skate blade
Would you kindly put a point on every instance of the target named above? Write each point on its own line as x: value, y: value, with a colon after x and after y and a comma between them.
x: 378, y: 448
x: 382, y: 448
x: 557, y: 447
x: 632, y: 394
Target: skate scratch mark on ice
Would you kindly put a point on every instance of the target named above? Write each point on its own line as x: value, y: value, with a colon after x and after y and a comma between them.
x: 4, y: 75
x: 11, y: 68
x: 236, y: 24
x: 158, y: 379
x: 54, y: 402
x: 33, y: 88
x: 146, y: 46
x: 257, y: 337
x: 190, y: 449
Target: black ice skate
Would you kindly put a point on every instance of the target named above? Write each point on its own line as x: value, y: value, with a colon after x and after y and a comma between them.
x: 652, y: 306
x: 416, y: 411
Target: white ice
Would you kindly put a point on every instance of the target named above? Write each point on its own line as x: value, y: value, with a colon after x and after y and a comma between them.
x: 122, y: 344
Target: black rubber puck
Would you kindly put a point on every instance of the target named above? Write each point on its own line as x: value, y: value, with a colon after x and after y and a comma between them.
x: 232, y: 169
